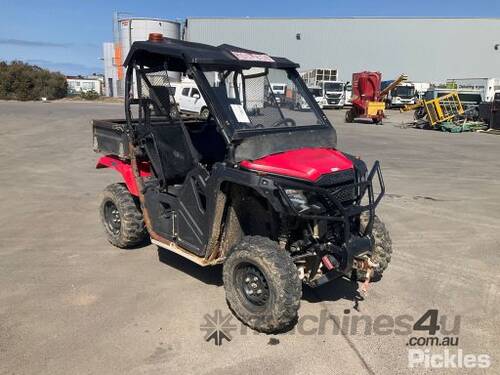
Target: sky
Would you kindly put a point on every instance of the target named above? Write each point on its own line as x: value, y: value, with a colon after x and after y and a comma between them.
x: 67, y: 35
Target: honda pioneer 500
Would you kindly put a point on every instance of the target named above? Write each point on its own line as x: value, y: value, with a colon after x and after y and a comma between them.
x: 258, y: 187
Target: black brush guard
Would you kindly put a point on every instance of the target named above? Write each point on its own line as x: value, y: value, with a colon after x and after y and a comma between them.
x: 353, y: 244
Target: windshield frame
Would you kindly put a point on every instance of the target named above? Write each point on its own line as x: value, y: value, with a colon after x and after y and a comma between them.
x: 341, y: 86
x: 411, y: 89
x: 222, y: 114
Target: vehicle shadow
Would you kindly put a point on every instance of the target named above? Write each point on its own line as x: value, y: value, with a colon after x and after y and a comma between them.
x: 340, y: 289
x: 211, y: 275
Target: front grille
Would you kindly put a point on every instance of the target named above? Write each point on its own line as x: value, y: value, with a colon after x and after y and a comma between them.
x: 333, y: 96
x: 345, y: 195
x: 340, y: 184
x: 336, y: 178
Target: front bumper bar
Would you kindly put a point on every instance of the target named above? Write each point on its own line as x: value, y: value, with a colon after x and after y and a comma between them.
x: 341, y: 213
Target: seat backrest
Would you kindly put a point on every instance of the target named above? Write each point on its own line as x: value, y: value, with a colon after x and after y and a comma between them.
x: 162, y: 94
x: 174, y: 152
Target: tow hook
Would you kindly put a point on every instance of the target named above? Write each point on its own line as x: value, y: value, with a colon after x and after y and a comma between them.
x: 365, y: 264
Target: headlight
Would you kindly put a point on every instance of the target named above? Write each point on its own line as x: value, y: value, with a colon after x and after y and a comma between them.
x: 298, y: 199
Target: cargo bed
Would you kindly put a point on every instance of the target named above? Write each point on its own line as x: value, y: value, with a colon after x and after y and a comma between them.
x: 110, y: 137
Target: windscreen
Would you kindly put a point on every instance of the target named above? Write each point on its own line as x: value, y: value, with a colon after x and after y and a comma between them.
x: 248, y: 99
x: 334, y: 86
x: 404, y: 91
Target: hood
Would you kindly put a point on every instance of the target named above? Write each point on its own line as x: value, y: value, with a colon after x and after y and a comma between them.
x: 305, y: 163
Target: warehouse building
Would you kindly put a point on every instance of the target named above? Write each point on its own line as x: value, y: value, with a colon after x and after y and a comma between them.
x: 426, y: 49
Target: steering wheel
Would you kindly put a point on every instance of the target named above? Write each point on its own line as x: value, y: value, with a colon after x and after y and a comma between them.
x: 286, y: 120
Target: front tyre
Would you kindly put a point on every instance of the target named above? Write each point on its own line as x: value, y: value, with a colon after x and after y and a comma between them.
x: 262, y: 284
x: 382, y: 249
x: 121, y: 217
x: 204, y: 113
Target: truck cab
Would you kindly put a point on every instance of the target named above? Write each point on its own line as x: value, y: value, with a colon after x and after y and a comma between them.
x: 403, y: 94
x: 333, y: 94
x: 279, y: 91
x: 317, y: 92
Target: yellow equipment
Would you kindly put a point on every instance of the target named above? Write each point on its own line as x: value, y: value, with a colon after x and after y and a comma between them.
x: 439, y: 110
x: 374, y: 108
x: 402, y: 78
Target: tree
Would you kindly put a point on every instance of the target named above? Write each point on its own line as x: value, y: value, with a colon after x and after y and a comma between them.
x: 21, y: 81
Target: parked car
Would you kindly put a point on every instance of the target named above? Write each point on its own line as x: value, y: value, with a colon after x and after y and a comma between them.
x: 189, y: 99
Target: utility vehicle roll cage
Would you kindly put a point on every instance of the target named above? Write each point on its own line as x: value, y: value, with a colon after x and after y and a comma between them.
x: 195, y: 59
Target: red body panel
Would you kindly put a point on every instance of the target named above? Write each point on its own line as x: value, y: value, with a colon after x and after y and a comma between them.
x: 365, y: 88
x: 305, y: 163
x: 126, y: 171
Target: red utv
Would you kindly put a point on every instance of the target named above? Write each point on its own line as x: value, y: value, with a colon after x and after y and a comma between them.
x: 255, y: 186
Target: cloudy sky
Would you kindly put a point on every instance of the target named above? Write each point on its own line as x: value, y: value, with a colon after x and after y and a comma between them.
x: 68, y: 35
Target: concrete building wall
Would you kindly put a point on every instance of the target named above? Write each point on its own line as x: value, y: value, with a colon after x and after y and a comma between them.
x: 425, y: 49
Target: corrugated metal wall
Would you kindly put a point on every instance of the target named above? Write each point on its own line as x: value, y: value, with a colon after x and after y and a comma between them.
x: 425, y: 49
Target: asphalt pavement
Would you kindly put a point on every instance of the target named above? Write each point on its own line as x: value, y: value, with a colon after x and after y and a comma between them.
x: 72, y: 303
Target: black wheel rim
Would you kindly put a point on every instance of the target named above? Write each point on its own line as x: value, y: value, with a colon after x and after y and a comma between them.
x: 252, y: 285
x: 112, y: 218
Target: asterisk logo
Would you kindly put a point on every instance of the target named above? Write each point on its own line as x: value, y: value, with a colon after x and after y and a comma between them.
x: 218, y: 327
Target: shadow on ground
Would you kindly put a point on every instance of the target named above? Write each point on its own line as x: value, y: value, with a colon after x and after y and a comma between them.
x: 211, y: 275
x: 334, y: 291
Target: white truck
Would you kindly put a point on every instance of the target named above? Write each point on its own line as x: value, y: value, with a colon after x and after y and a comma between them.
x: 279, y: 91
x: 317, y: 92
x: 487, y: 86
x: 421, y: 88
x: 401, y: 95
x: 278, y: 88
x: 334, y: 91
x: 348, y: 93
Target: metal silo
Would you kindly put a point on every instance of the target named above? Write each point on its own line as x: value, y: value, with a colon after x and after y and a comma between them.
x: 129, y: 30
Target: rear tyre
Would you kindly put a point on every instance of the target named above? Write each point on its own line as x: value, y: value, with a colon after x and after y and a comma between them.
x: 382, y: 249
x: 349, y: 116
x: 262, y: 285
x: 121, y: 217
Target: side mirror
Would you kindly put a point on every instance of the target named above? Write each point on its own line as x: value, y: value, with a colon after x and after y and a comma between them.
x: 196, y: 96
